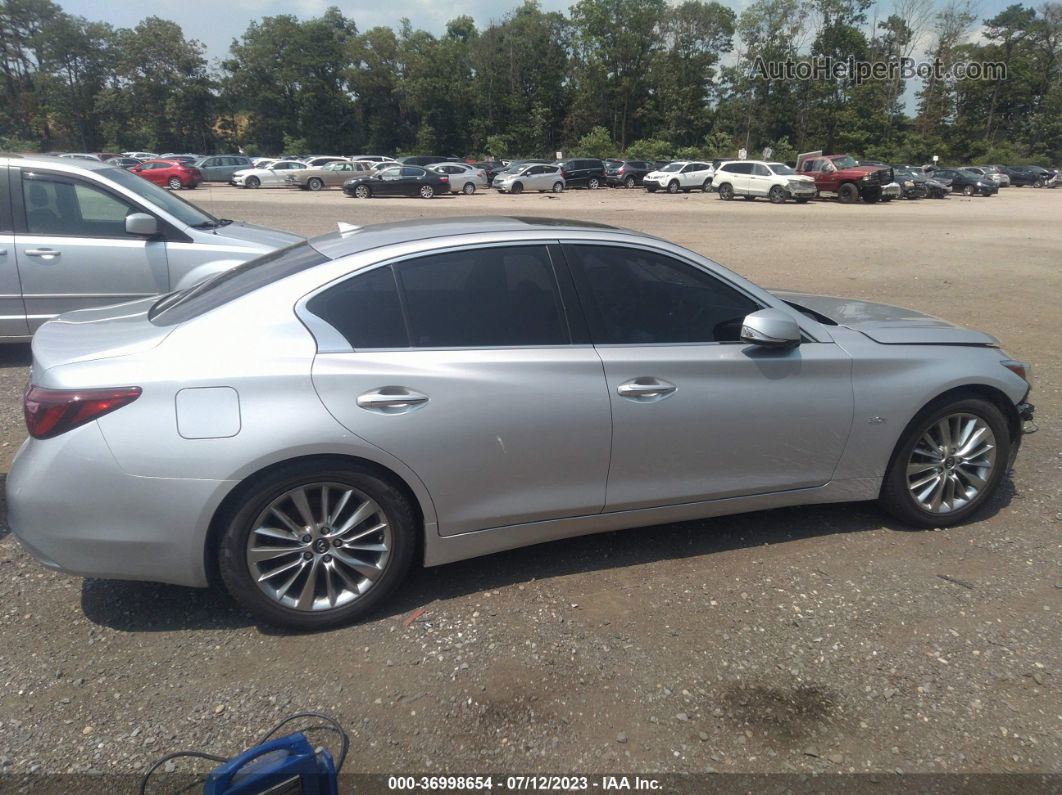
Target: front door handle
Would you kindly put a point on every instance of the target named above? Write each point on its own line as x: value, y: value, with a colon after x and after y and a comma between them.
x: 646, y: 389
x: 391, y: 400
x: 42, y: 252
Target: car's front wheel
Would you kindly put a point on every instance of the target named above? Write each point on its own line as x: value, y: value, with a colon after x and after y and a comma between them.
x: 317, y: 545
x: 363, y: 192
x: 777, y: 195
x: 673, y: 186
x: 969, y: 190
x: 948, y: 463
x: 252, y: 182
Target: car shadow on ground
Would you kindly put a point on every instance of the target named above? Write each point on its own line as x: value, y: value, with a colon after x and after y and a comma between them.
x: 153, y: 607
x: 16, y: 355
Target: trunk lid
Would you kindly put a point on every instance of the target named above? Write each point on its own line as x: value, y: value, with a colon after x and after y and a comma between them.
x: 887, y: 324
x: 98, y: 333
x: 260, y: 236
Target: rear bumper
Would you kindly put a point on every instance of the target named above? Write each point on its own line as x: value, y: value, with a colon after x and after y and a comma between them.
x: 76, y: 511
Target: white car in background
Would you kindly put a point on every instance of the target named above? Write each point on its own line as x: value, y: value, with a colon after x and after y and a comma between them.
x: 373, y: 158
x: 463, y: 177
x: 273, y: 176
x: 763, y: 179
x: 684, y: 175
x: 316, y: 161
x: 142, y: 155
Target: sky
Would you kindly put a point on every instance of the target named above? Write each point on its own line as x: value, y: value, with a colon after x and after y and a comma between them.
x: 216, y: 26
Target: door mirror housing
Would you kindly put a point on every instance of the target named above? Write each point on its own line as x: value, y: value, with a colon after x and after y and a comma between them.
x: 141, y: 224
x: 770, y: 328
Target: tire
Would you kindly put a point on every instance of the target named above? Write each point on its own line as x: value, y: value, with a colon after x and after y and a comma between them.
x: 629, y: 182
x: 363, y: 192
x: 173, y: 183
x: 252, y: 182
x: 1038, y: 184
x: 558, y: 187
x: 896, y: 496
x: 426, y: 192
x: 969, y: 190
x: 399, y: 540
x: 593, y: 183
x: 469, y: 188
x: 777, y: 194
x: 847, y: 193
x: 314, y: 183
x: 707, y: 186
x: 871, y: 196
x: 518, y: 187
x: 726, y: 191
x: 673, y: 186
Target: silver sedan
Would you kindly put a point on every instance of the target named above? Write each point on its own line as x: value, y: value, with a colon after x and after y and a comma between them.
x: 323, y: 417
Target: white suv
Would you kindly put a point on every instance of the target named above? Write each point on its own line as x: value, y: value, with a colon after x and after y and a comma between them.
x: 752, y: 178
x: 684, y: 175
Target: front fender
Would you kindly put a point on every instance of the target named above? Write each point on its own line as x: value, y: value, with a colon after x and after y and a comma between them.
x: 204, y: 271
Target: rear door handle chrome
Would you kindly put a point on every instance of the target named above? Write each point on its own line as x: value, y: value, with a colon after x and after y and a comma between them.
x: 646, y: 389
x: 42, y: 252
x: 391, y: 400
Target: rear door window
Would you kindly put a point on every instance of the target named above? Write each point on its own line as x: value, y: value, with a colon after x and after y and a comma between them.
x: 480, y: 298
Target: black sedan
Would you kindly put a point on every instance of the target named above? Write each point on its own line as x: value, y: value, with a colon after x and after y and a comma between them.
x: 916, y: 184
x: 398, y: 181
x: 627, y: 173
x: 967, y: 182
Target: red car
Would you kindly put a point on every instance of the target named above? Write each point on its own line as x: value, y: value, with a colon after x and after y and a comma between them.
x: 172, y: 174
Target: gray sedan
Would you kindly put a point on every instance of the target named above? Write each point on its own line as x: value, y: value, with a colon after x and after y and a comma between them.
x: 441, y: 389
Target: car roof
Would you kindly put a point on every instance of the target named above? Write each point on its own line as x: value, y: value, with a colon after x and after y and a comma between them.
x: 363, y: 238
x: 52, y: 161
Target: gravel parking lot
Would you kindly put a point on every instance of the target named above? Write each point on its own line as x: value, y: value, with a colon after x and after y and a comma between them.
x: 806, y: 639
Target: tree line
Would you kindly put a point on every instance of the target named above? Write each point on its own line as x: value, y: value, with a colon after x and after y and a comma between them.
x: 638, y: 77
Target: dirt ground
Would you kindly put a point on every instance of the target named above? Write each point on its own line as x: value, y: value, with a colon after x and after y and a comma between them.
x: 798, y: 640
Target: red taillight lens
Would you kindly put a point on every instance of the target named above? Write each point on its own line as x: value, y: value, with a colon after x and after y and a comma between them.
x: 51, y: 412
x: 444, y: 179
x: 619, y: 170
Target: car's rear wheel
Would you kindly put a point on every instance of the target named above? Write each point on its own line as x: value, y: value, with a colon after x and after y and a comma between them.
x: 777, y: 195
x: 673, y: 186
x: 707, y: 186
x: 252, y: 182
x: 314, y: 184
x: 469, y: 188
x: 969, y: 190
x: 726, y: 191
x: 316, y: 545
x: 593, y: 183
x: 426, y: 191
x: 518, y: 187
x: 363, y: 192
x: 948, y: 463
x: 629, y: 182
x: 174, y: 183
x: 558, y: 187
x: 847, y: 193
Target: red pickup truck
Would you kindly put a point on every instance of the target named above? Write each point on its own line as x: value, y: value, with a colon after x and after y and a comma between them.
x: 843, y: 177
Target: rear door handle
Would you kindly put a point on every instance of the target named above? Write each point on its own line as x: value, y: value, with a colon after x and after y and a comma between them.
x: 391, y: 400
x: 42, y: 252
x: 646, y: 389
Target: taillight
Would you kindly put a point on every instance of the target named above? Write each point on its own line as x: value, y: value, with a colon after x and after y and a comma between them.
x: 51, y: 412
x: 619, y: 170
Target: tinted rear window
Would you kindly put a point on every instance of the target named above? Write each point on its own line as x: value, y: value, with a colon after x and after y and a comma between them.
x: 234, y: 283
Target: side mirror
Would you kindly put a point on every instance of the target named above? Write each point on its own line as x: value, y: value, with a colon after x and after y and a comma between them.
x: 770, y: 328
x: 141, y: 224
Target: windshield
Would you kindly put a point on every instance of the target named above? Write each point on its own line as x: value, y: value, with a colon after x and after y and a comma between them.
x: 845, y: 162
x: 781, y: 169
x: 673, y: 167
x: 185, y: 212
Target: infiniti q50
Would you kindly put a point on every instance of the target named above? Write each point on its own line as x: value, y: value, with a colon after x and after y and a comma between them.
x: 309, y: 424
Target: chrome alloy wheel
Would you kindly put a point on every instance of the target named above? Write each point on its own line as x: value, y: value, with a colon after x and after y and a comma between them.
x: 319, y: 546
x: 951, y: 463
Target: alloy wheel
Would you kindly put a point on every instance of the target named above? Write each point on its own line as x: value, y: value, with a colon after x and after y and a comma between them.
x: 362, y: 192
x: 426, y: 191
x: 629, y: 182
x: 951, y: 463
x: 319, y: 546
x: 174, y: 183
x: 469, y: 188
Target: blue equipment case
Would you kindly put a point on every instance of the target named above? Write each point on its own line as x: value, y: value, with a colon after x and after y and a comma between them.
x: 284, y: 766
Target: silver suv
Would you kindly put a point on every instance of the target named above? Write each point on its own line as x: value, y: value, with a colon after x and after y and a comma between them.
x: 76, y: 234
